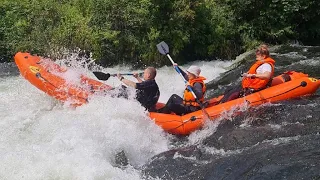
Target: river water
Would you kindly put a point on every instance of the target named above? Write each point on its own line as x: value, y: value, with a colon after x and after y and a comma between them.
x: 113, y: 138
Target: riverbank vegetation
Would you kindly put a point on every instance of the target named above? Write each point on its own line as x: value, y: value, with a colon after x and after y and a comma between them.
x: 127, y: 31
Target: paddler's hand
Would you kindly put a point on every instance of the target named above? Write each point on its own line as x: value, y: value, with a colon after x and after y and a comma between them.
x: 135, y: 74
x: 175, y: 65
x: 246, y: 75
x: 187, y: 85
x: 119, y: 76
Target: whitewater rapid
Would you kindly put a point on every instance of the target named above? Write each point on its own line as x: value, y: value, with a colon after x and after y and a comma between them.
x: 41, y: 138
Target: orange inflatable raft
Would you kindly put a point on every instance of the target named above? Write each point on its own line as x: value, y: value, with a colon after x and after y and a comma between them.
x: 49, y: 77
x: 288, y: 85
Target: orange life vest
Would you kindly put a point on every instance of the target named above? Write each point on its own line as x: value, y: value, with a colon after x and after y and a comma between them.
x: 188, y: 98
x: 258, y: 83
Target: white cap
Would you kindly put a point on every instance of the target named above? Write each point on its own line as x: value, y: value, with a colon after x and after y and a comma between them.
x: 194, y: 70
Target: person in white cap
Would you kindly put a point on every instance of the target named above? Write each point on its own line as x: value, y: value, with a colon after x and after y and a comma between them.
x: 188, y: 103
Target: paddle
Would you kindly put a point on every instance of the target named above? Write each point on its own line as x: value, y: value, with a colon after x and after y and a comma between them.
x: 105, y: 76
x: 163, y: 48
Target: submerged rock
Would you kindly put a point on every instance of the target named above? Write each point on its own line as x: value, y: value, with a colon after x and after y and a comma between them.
x: 121, y: 159
x: 273, y: 141
x: 283, y: 158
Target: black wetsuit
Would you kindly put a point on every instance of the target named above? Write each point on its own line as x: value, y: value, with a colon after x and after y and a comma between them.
x: 148, y: 94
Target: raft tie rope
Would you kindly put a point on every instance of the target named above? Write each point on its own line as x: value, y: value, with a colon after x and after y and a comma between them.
x: 262, y: 97
x: 38, y: 75
x: 302, y: 84
x: 192, y: 118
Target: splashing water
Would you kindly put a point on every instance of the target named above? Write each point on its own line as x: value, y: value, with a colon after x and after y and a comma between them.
x: 41, y: 138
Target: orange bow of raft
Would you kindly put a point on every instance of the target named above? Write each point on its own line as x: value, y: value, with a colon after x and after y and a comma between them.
x: 48, y: 77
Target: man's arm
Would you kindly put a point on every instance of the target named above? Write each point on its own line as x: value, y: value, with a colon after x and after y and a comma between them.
x: 136, y: 75
x: 126, y: 81
x: 129, y: 83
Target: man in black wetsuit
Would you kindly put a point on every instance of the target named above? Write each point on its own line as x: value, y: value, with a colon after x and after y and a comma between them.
x: 147, y: 91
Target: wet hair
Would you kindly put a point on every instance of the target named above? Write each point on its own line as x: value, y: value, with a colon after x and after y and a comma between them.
x: 263, y: 46
x: 152, y: 71
x: 263, y: 50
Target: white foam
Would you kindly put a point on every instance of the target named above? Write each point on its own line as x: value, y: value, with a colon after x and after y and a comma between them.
x: 41, y: 138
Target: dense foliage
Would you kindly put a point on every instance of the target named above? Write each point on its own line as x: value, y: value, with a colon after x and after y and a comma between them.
x: 126, y: 31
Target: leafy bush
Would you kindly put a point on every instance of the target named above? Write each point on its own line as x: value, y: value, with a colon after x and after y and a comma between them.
x: 127, y: 31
